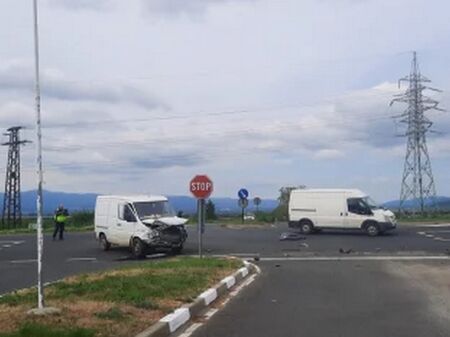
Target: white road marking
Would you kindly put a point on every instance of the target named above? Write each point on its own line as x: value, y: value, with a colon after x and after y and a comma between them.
x: 10, y: 243
x: 24, y: 261
x: 189, y: 331
x: 437, y: 225
x: 441, y: 239
x: 81, y: 259
x: 358, y: 258
x: 421, y: 233
x: 429, y: 236
x: 211, y: 312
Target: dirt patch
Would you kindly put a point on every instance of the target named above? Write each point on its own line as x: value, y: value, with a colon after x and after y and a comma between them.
x: 431, y: 278
x: 84, y: 314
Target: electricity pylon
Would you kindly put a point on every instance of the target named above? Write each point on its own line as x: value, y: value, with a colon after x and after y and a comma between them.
x: 418, y: 182
x: 12, y: 211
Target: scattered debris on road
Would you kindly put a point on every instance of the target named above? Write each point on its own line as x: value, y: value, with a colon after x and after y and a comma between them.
x: 290, y: 236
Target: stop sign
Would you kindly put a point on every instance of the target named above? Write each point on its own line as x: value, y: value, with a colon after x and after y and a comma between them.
x: 201, y: 186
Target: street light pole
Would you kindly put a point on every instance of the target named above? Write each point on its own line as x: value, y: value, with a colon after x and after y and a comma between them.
x: 40, y: 237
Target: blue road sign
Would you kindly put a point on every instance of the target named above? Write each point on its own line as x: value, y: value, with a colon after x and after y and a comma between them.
x: 243, y: 193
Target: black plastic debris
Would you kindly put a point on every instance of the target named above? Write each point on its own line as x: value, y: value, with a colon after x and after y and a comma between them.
x: 290, y: 236
x: 345, y: 251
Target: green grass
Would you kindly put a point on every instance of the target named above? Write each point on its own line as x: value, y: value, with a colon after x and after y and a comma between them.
x: 432, y: 217
x: 77, y: 222
x: 39, y: 330
x: 176, y: 279
x: 113, y: 314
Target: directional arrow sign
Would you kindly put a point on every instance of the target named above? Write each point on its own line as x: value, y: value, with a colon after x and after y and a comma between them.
x: 243, y: 193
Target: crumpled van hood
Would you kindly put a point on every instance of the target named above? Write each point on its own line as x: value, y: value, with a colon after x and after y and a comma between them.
x: 170, y: 221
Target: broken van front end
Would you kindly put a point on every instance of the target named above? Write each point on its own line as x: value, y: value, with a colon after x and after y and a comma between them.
x: 168, y: 233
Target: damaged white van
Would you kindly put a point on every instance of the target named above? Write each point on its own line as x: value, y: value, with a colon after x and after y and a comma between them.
x: 311, y: 210
x: 142, y: 223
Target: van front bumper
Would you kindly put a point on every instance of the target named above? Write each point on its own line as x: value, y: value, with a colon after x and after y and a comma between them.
x: 387, y: 226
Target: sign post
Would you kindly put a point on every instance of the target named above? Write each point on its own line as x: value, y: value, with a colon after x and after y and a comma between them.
x: 243, y: 201
x: 201, y: 187
x: 257, y: 202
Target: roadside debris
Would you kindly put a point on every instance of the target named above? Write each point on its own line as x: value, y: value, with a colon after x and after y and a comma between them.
x: 345, y: 251
x: 290, y: 236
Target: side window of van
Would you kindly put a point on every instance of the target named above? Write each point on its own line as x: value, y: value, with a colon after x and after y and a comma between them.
x: 357, y: 206
x: 126, y: 214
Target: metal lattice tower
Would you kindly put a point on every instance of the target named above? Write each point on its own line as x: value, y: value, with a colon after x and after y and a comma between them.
x: 12, y: 211
x: 418, y: 182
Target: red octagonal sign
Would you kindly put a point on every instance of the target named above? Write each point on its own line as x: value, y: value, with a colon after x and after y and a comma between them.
x: 201, y: 186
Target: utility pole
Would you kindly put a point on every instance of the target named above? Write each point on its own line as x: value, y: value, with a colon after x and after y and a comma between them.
x: 418, y: 182
x: 12, y: 210
x: 40, y: 178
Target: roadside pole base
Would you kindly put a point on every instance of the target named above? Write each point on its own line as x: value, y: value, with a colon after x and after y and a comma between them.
x: 47, y: 311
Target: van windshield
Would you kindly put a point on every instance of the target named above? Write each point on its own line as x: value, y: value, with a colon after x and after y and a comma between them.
x: 371, y: 203
x: 152, y: 210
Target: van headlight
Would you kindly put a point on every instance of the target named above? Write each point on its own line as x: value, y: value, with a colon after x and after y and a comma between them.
x: 153, y: 235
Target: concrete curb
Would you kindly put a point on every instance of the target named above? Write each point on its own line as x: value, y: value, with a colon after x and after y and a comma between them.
x: 172, y: 322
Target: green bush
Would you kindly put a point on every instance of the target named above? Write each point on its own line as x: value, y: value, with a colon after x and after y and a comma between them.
x: 81, y: 219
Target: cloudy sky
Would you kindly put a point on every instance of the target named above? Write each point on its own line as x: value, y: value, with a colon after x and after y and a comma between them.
x: 140, y: 95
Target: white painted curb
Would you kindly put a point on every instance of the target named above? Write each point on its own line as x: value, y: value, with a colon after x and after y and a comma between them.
x: 209, y: 295
x: 243, y: 271
x: 177, y: 318
x: 229, y: 281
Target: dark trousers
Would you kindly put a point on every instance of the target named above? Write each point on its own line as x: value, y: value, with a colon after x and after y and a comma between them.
x: 59, y: 227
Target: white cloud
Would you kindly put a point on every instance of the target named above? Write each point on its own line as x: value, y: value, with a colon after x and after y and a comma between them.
x: 188, y: 7
x: 328, y: 154
x: 81, y: 4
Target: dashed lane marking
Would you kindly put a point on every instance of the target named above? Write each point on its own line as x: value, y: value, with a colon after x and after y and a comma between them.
x: 441, y: 239
x: 23, y: 261
x: 86, y: 259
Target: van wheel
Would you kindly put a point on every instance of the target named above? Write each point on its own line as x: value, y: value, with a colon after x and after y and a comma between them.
x: 137, y: 248
x: 372, y: 229
x: 104, y: 243
x: 306, y: 226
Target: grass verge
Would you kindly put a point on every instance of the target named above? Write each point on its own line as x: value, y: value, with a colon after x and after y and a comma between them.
x: 119, y: 302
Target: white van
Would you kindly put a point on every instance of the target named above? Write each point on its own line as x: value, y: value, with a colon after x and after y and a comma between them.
x: 138, y: 222
x: 316, y: 209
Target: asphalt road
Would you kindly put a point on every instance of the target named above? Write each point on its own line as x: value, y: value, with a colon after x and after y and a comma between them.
x: 329, y: 298
x: 303, y: 288
x: 80, y: 251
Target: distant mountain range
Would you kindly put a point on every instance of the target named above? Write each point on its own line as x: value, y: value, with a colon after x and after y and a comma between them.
x: 441, y: 203
x: 86, y: 201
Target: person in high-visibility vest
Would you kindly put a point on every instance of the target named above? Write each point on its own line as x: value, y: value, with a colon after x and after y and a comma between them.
x: 61, y: 215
